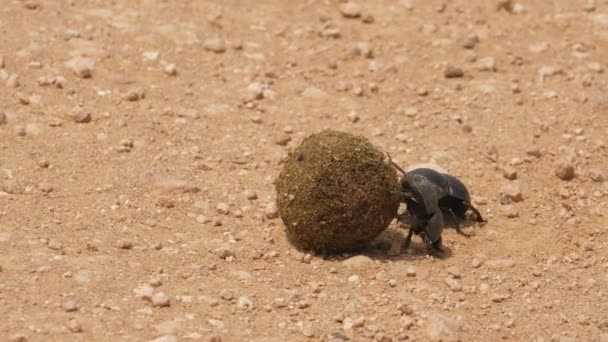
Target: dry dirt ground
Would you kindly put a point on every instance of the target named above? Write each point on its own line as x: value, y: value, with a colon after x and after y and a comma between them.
x: 139, y: 142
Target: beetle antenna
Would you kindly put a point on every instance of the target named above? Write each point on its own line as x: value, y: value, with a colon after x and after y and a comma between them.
x: 394, y: 164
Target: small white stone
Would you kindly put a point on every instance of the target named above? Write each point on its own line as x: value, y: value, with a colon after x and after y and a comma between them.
x: 223, y: 208
x: 161, y: 299
x: 244, y: 303
x: 81, y: 66
x: 144, y: 292
x: 216, y: 45
x: 151, y: 55
x: 170, y: 69
x: 271, y: 211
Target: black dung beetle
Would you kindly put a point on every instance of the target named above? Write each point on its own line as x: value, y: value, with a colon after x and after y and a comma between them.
x: 430, y: 196
x: 454, y: 197
x: 426, y: 219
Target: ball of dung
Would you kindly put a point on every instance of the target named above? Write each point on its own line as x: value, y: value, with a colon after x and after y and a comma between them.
x: 336, y: 192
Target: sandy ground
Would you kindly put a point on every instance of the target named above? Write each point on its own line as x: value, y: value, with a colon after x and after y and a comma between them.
x: 139, y: 142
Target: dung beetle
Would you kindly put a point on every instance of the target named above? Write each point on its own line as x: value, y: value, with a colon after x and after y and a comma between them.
x: 430, y: 196
x: 422, y: 200
x: 454, y: 197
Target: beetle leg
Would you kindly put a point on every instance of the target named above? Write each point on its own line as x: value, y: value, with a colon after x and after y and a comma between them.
x: 477, y: 213
x: 427, y: 242
x: 408, y: 239
x: 457, y: 224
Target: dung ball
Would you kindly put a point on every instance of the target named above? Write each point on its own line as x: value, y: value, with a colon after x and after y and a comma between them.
x: 336, y: 192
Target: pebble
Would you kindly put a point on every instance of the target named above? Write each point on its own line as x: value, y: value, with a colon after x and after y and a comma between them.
x: 70, y: 306
x: 271, y: 211
x: 244, y: 303
x: 251, y: 194
x: 476, y: 263
x: 354, y: 279
x: 81, y: 66
x: 487, y: 64
x: 161, y: 299
x: 455, y: 272
x: 256, y: 90
x: 510, y: 211
x: 224, y: 252
x: 589, y: 6
x: 565, y: 171
x: 216, y: 45
x: 509, y: 173
x: 349, y: 323
x: 19, y: 337
x: 80, y: 115
x: 124, y: 244
x: 453, y: 72
x: 357, y: 261
x: 3, y: 119
x: 595, y: 174
x: 353, y: 116
x: 453, y: 284
x: 440, y: 327
x: 55, y: 245
x: 362, y: 49
x: 13, y: 81
x: 282, y: 140
x: 74, y: 325
x: 151, y: 55
x: 313, y: 92
x: 144, y: 292
x: 350, y: 10
x: 223, y: 208
x: 170, y: 69
x: 411, y: 271
x: 511, y: 193
x: 134, y: 95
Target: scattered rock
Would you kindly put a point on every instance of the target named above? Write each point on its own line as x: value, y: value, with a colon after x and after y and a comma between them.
x: 161, y: 299
x: 487, y: 64
x: 440, y: 327
x: 313, y: 92
x: 81, y: 66
x: 453, y: 284
x: 216, y: 45
x: 453, y: 72
x: 80, y: 115
x: 595, y: 174
x: 3, y: 119
x: 70, y: 306
x: 223, y: 208
x: 244, y: 303
x: 510, y: 211
x: 74, y: 326
x: 509, y: 173
x: 565, y: 171
x: 13, y: 81
x: 455, y: 272
x: 134, y: 95
x: 350, y: 9
x: 271, y: 211
x: 170, y: 69
x: 511, y: 193
x: 357, y: 261
x: 144, y: 292
x: 251, y: 194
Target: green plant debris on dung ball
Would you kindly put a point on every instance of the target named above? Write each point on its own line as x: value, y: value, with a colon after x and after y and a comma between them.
x: 336, y: 192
